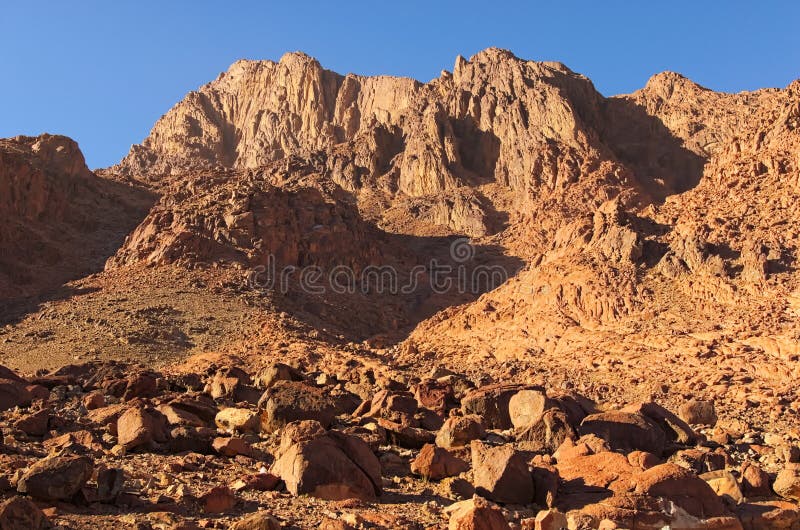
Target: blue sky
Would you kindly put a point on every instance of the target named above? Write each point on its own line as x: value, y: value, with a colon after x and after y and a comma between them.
x: 104, y: 72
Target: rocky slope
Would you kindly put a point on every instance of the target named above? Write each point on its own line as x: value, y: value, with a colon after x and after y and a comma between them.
x: 602, y: 255
x: 58, y: 221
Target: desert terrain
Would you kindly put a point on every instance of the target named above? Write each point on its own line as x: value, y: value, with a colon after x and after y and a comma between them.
x: 494, y: 300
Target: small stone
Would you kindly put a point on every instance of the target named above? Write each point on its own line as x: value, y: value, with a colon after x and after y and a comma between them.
x: 219, y: 499
x: 698, y: 412
x: 257, y: 521
x: 231, y: 447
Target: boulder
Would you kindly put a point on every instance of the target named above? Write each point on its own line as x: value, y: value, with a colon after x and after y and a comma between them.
x: 141, y: 426
x: 602, y: 472
x: 93, y: 400
x: 549, y: 520
x: 438, y: 396
x: 179, y: 416
x: 14, y: 393
x: 458, y: 431
x: 526, y: 407
x: 328, y: 465
x: 199, y: 405
x: 698, y: 412
x: 19, y: 513
x: 501, y: 474
x: 34, y: 424
x: 193, y: 439
x: 75, y: 441
x: 231, y: 447
x: 256, y: 482
x: 787, y: 484
x: 755, y: 481
x: 141, y: 385
x: 398, y: 407
x: 237, y: 420
x: 547, y: 433
x: 219, y: 499
x: 769, y: 515
x: 277, y: 372
x: 683, y: 488
x: 675, y: 429
x: 476, y: 514
x: 288, y: 401
x: 625, y: 431
x: 405, y: 435
x: 110, y: 482
x: 56, y: 478
x: 491, y: 403
x: 257, y: 521
x: 546, y: 481
x: 725, y: 485
x: 436, y: 463
x: 231, y: 383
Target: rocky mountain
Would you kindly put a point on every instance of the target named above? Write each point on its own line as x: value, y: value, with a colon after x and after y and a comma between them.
x: 495, y: 281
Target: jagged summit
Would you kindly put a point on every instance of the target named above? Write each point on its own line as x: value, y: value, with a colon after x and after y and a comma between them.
x: 668, y: 81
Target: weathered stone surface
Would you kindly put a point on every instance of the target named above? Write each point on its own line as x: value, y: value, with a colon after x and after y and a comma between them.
x: 458, y: 431
x: 491, y: 403
x: 526, y: 407
x: 547, y: 433
x: 698, y: 412
x: 56, y: 478
x: 405, y: 435
x: 625, y: 431
x: 18, y: 513
x: 769, y: 515
x: 35, y: 423
x: 140, y: 427
x: 436, y: 463
x: 476, y: 514
x: 218, y: 499
x: 288, y: 401
x: 13, y: 394
x: 277, y: 372
x: 501, y: 474
x: 257, y: 521
x: 787, y: 484
x: 231, y: 446
x: 239, y: 420
x: 675, y: 429
x: 330, y: 466
x: 683, y: 488
x: 755, y: 481
x: 725, y: 485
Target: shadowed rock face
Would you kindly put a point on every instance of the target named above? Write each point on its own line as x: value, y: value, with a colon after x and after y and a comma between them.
x: 58, y: 221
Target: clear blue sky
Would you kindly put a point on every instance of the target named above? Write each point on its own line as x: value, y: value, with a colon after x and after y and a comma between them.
x: 103, y: 72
